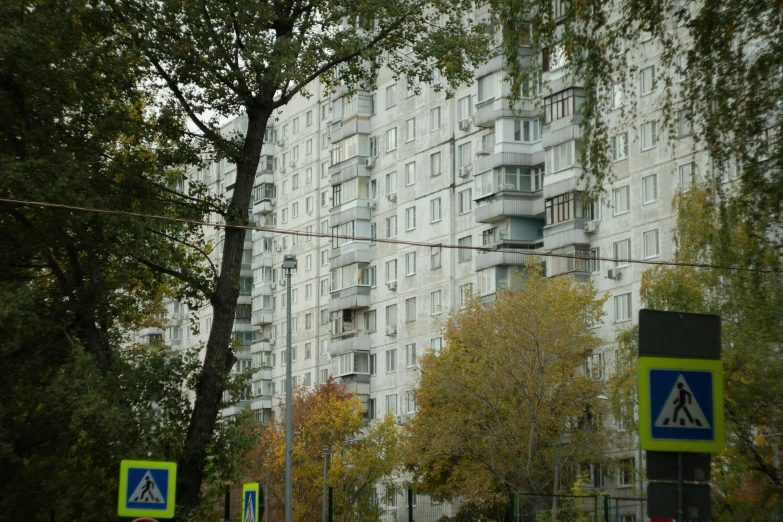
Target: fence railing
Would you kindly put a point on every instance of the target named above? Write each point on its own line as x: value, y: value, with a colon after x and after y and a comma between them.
x: 406, y: 506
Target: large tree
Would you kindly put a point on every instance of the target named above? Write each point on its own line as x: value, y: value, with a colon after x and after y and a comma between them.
x: 363, y: 460
x: 750, y: 302
x: 507, y: 399
x: 252, y: 57
x: 78, y: 129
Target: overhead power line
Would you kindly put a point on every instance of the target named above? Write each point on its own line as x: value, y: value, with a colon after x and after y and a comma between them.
x: 299, y: 233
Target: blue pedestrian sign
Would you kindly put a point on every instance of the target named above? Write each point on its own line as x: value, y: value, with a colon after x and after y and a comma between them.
x: 681, y: 404
x: 147, y: 489
x: 250, y: 512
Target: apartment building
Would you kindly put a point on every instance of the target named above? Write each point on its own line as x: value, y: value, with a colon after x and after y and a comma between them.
x: 467, y: 171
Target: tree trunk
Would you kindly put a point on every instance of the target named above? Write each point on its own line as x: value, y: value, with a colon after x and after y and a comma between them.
x: 219, y: 359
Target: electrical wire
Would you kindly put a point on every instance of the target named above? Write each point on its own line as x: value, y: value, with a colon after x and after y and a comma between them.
x: 298, y: 233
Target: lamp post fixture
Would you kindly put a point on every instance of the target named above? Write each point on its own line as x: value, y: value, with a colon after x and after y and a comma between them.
x: 326, y: 453
x: 289, y: 264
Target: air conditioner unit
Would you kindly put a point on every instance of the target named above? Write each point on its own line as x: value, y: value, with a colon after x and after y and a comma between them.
x: 278, y: 248
x: 483, y: 152
x: 281, y: 143
x: 464, y: 125
x: 392, y: 197
x: 503, y: 234
x: 401, y: 419
x: 614, y: 273
x: 463, y: 172
x: 292, y: 164
x: 372, y: 204
x: 273, y: 202
x: 391, y: 331
x: 369, y: 162
x: 282, y: 169
x: 272, y: 285
x: 281, y: 282
x: 591, y: 227
x: 272, y: 341
x: 392, y: 285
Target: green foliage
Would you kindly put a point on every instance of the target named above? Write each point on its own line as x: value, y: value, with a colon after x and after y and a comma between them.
x: 76, y: 396
x: 749, y: 303
x: 717, y: 58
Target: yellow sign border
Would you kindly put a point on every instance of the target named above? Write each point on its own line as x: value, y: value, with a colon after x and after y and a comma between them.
x: 253, y: 486
x: 644, y: 365
x: 122, y: 505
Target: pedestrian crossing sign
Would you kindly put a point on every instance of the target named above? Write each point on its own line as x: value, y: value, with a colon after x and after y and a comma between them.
x: 681, y: 404
x: 147, y: 489
x: 250, y: 503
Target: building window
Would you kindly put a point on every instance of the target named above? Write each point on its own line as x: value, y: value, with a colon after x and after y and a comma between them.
x: 391, y: 408
x: 436, y: 345
x: 434, y: 119
x: 391, y: 183
x: 373, y: 364
x: 684, y: 123
x: 435, y: 164
x: 649, y: 135
x: 465, y: 201
x: 410, y: 173
x: 560, y: 105
x: 647, y: 80
x: 435, y: 257
x: 410, y: 263
x: 464, y: 157
x: 391, y: 319
x: 410, y: 355
x: 309, y: 118
x: 650, y: 188
x: 486, y: 87
x: 621, y: 200
x: 373, y: 104
x: 618, y: 97
x: 625, y: 475
x: 410, y: 309
x: 435, y: 210
x: 464, y: 108
x: 370, y: 322
x: 620, y: 147
x: 410, y: 218
x: 391, y: 270
x: 563, y: 156
x: 410, y: 407
x: 391, y: 360
x: 391, y: 96
x: 465, y: 252
x: 622, y: 308
x: 687, y: 177
x: 465, y: 291
x: 410, y: 130
x: 391, y: 227
x: 651, y: 244
x: 391, y: 139
x: 435, y: 302
x: 622, y: 252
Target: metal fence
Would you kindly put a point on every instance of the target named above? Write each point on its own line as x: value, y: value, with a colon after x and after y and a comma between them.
x: 406, y: 506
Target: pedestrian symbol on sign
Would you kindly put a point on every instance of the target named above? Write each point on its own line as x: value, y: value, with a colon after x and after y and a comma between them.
x: 147, y: 491
x: 681, y: 408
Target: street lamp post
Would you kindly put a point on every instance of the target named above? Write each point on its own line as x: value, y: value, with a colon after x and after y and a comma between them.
x: 325, y: 451
x: 289, y: 264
